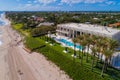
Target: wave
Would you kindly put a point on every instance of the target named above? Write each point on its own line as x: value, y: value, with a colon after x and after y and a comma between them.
x: 0, y: 42
x: 1, y: 21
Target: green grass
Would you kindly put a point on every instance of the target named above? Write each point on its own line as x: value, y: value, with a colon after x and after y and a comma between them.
x: 118, y: 28
x: 18, y: 27
x: 32, y: 43
x: 65, y: 62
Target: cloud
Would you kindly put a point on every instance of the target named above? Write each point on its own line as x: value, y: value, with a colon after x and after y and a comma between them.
x: 71, y: 1
x: 87, y: 1
x: 45, y: 1
x: 37, y: 7
x: 110, y: 3
x: 35, y: 1
x: 81, y: 1
x: 28, y: 5
x: 94, y: 1
x: 29, y: 1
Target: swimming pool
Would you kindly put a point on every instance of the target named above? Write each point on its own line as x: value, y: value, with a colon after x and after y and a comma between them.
x: 117, y: 64
x: 70, y: 44
x: 116, y: 61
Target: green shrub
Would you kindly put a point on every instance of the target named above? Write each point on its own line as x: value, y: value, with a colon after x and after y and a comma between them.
x: 32, y: 43
x: 73, y: 69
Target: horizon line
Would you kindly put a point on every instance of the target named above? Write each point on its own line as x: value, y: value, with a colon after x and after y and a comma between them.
x: 59, y: 11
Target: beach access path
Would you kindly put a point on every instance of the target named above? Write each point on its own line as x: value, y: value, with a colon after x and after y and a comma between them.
x: 17, y: 64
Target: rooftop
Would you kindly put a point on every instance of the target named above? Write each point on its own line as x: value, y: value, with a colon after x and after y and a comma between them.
x: 88, y: 28
x: 114, y: 25
x: 46, y: 24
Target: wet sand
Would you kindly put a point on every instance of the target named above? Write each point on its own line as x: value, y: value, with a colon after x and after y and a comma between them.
x: 17, y: 64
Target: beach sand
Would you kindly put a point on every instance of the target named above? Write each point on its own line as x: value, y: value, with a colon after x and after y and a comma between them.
x: 17, y: 64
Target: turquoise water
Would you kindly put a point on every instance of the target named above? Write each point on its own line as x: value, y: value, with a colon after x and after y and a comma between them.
x: 70, y: 44
x: 116, y: 61
x: 117, y: 64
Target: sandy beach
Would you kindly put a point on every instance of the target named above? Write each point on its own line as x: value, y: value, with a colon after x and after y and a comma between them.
x: 17, y: 64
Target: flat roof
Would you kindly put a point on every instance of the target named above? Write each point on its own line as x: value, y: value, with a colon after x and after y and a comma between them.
x: 88, y: 28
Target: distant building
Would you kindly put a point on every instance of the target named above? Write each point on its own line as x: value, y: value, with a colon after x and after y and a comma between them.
x: 72, y: 30
x: 75, y: 17
x: 39, y: 19
x: 114, y: 25
x: 95, y: 18
x: 46, y: 24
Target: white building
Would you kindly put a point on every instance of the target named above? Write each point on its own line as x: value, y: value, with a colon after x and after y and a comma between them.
x: 46, y: 24
x: 72, y: 30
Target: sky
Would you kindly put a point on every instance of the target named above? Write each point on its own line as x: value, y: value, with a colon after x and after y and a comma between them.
x: 59, y: 5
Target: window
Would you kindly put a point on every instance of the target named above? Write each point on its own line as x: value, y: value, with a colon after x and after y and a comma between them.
x: 82, y: 33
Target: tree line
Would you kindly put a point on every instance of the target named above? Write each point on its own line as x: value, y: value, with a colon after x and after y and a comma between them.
x: 100, y: 46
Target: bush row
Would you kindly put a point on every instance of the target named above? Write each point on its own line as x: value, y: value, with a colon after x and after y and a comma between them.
x: 73, y: 69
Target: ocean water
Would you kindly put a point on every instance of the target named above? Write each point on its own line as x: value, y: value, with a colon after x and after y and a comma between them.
x: 1, y: 23
x: 0, y: 19
x: 0, y: 42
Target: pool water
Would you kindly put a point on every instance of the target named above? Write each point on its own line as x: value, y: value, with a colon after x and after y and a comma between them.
x: 70, y: 44
x: 117, y: 64
x: 116, y: 61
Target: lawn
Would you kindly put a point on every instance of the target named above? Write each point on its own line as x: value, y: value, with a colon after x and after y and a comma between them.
x: 65, y: 61
x: 18, y: 27
x: 68, y: 64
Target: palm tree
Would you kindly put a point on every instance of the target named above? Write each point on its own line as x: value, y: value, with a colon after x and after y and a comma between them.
x: 74, y: 41
x: 83, y: 43
x: 109, y: 48
x: 94, y: 51
x: 99, y: 48
x: 103, y: 43
x: 113, y: 44
x: 88, y: 42
x: 107, y: 53
x: 80, y: 38
x: 94, y: 40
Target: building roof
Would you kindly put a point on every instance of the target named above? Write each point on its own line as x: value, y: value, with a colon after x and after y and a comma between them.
x: 114, y: 25
x: 46, y: 24
x: 92, y: 29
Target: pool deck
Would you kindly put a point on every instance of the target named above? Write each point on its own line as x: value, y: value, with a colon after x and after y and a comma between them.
x: 86, y: 50
x: 63, y: 44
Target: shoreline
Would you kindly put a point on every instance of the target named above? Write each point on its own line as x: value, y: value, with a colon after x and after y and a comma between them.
x: 4, y: 38
x: 17, y: 64
x: 5, y: 23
